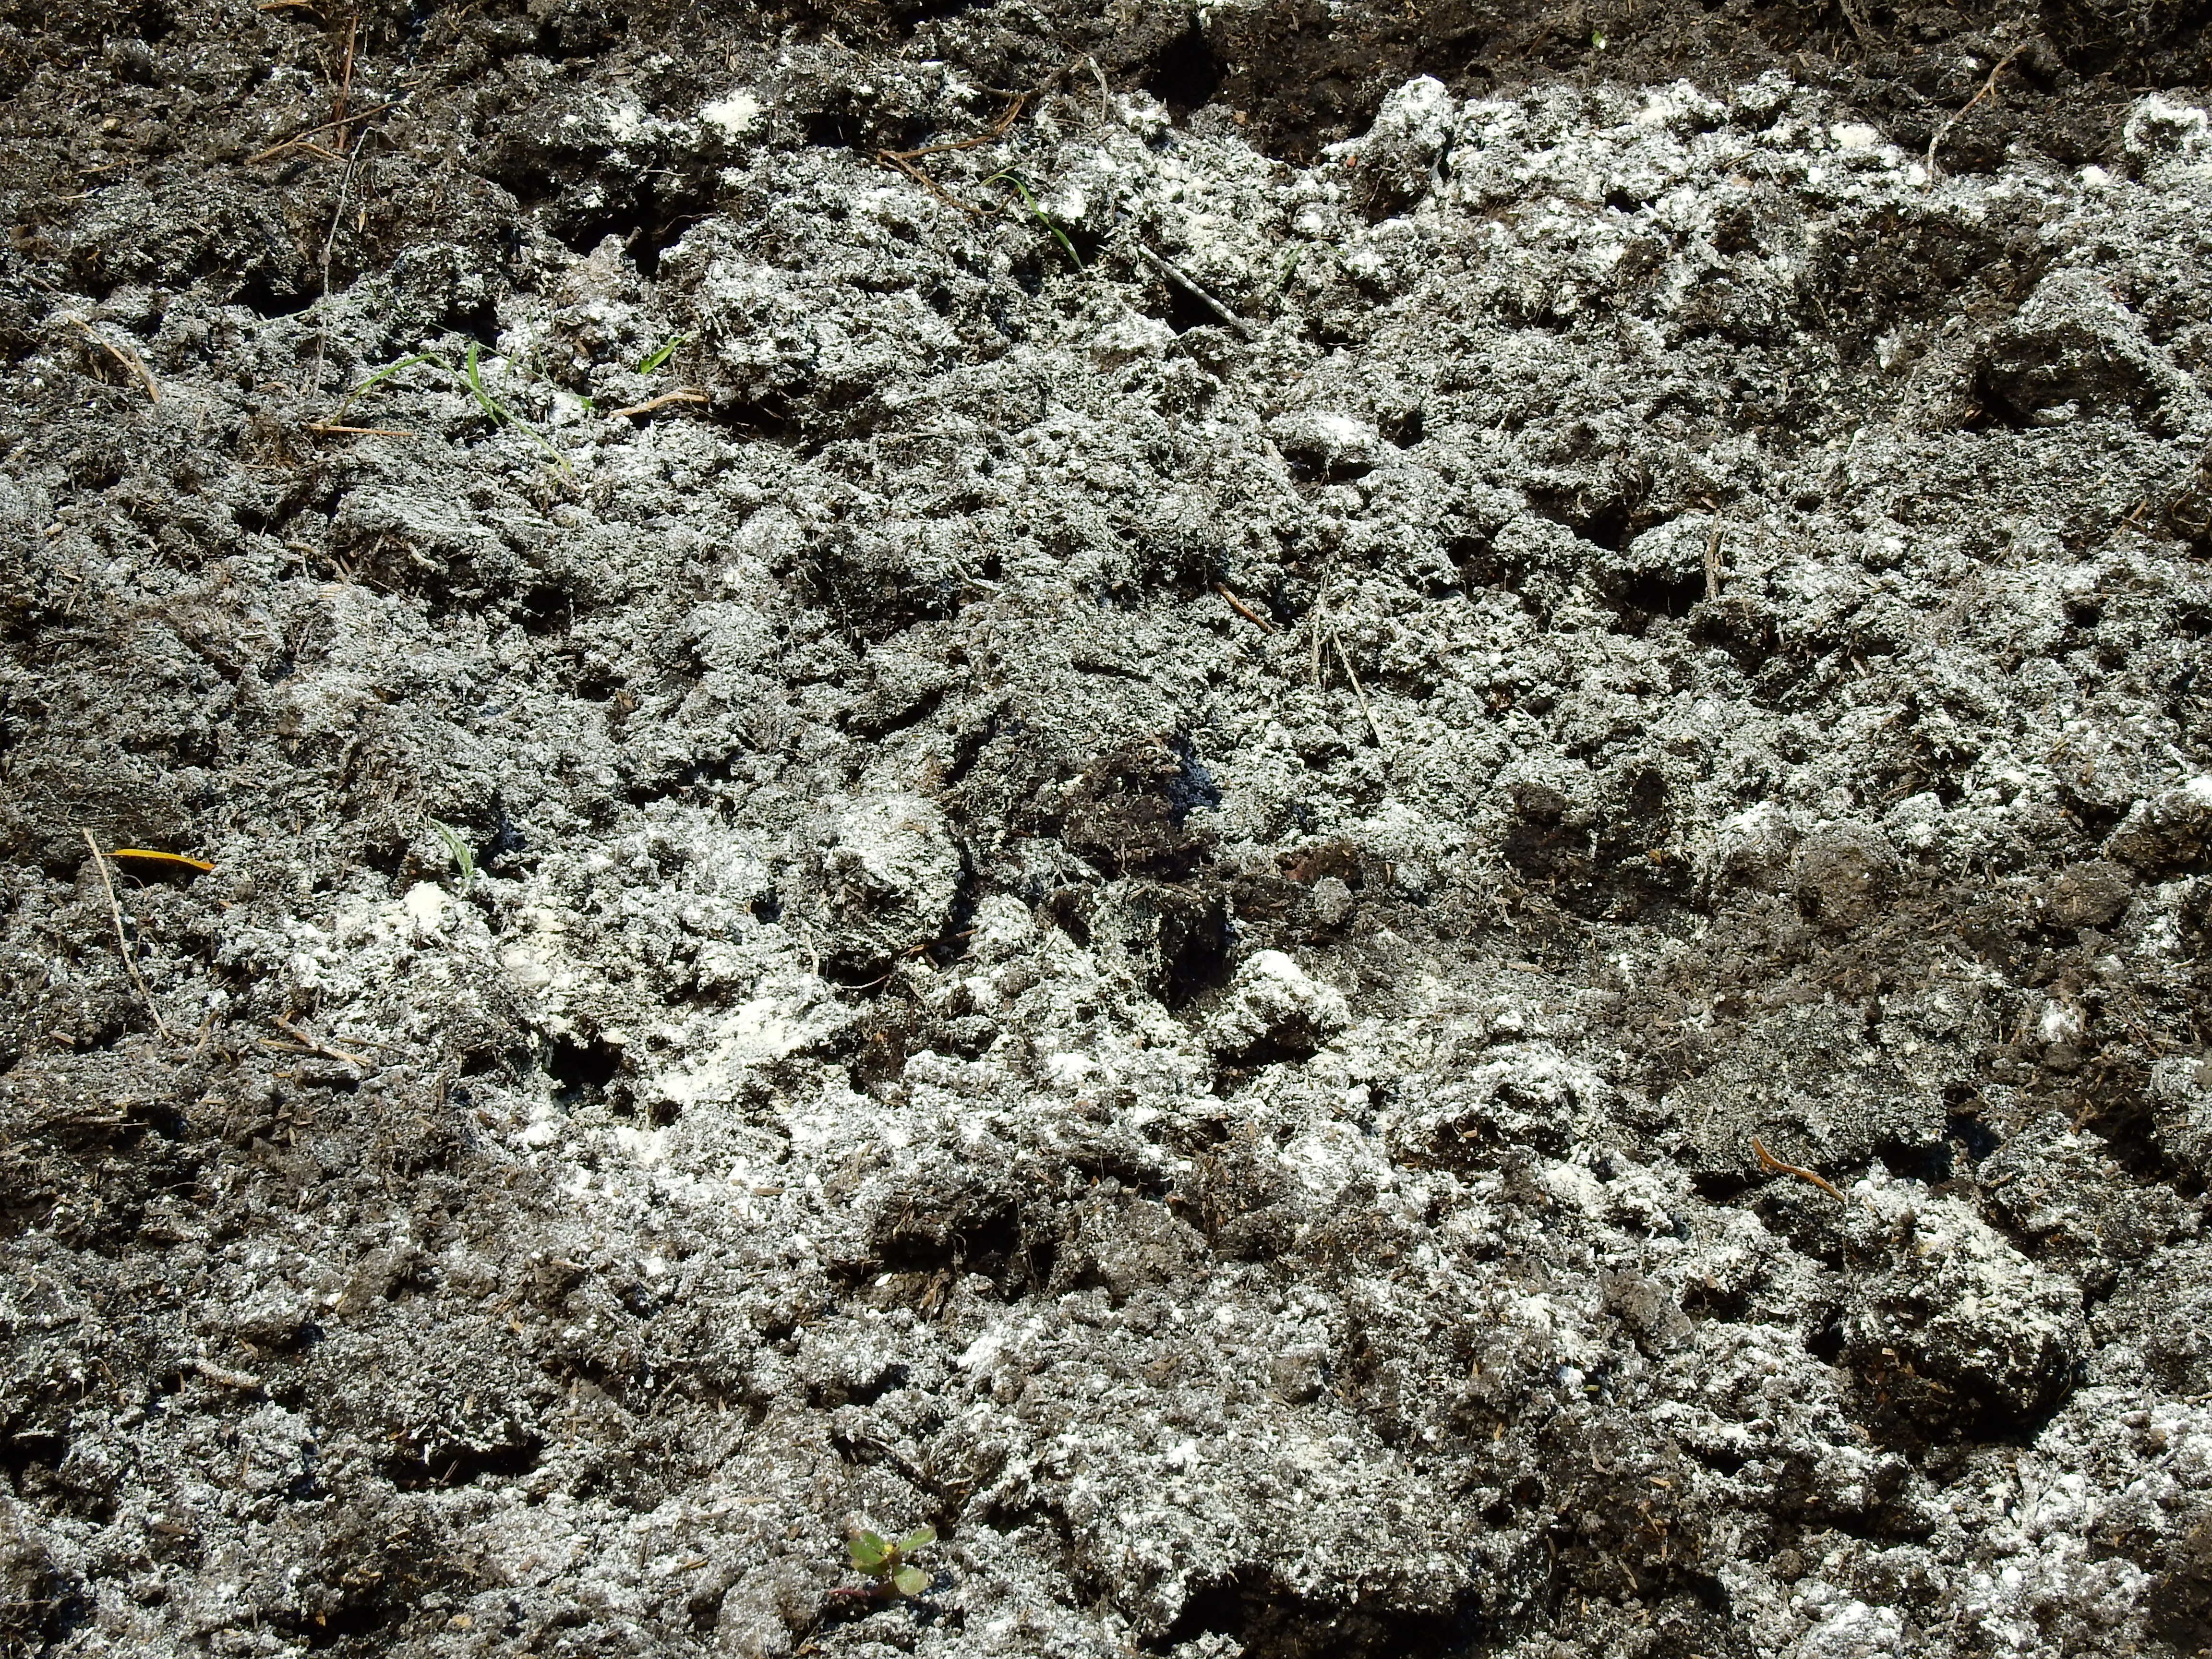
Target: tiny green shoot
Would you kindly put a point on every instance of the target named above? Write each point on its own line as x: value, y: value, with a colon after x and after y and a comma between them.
x: 661, y: 353
x: 471, y: 380
x: 884, y: 1560
x: 386, y: 373
x: 464, y: 860
x: 1021, y: 188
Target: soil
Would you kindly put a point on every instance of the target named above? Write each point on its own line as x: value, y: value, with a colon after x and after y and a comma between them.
x: 1373, y: 831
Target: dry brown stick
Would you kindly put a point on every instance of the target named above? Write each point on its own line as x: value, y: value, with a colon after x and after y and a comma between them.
x: 300, y: 137
x: 1245, y: 610
x: 1988, y: 85
x: 682, y: 395
x: 904, y: 160
x: 363, y: 432
x: 313, y: 1047
x: 127, y: 355
x: 996, y: 129
x: 315, y: 149
x: 339, y: 117
x: 246, y: 1381
x: 122, y: 939
x: 1767, y: 1160
x: 1357, y: 690
x: 887, y: 159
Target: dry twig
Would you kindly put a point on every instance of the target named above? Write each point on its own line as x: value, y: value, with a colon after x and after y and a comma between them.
x: 301, y: 139
x: 1768, y: 1161
x: 127, y: 355
x: 121, y: 938
x: 1357, y: 690
x: 313, y: 1047
x: 931, y: 185
x: 1175, y: 274
x: 1988, y: 85
x: 339, y: 117
x: 682, y: 395
x: 1245, y: 610
x: 904, y: 160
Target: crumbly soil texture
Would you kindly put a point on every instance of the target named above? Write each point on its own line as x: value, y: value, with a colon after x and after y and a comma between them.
x: 1372, y: 830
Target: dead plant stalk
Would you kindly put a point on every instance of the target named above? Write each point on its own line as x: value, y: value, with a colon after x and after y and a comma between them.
x: 1358, y: 690
x: 122, y: 938
x: 1245, y: 610
x: 1768, y: 1161
x: 1987, y: 86
x: 128, y: 357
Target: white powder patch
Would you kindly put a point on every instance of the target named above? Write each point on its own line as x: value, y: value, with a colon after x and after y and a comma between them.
x: 735, y: 115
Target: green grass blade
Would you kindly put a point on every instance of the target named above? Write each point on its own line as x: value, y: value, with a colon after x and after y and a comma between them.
x: 500, y: 414
x: 1037, y: 213
x: 464, y: 860
x: 389, y: 370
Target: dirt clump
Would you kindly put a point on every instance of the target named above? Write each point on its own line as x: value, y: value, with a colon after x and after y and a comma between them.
x: 1369, y: 832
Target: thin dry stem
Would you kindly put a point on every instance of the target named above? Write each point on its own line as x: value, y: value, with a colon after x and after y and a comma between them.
x: 127, y: 355
x: 301, y: 139
x: 1245, y: 610
x: 313, y: 1047
x: 1767, y: 1160
x: 1987, y: 86
x: 904, y: 160
x: 1357, y: 690
x: 689, y: 394
x: 121, y: 938
x: 930, y: 185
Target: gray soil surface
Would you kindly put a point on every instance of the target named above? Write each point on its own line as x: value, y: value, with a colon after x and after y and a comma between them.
x: 1375, y: 832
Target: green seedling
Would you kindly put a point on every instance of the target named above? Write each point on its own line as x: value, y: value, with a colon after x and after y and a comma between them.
x: 385, y: 374
x: 499, y: 413
x: 661, y: 353
x: 464, y: 860
x: 471, y: 381
x: 884, y: 1560
x: 1020, y: 187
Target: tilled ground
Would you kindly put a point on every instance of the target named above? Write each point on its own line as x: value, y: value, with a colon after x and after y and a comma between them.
x: 1372, y: 832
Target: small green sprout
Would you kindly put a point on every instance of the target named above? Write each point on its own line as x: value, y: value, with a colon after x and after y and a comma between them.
x: 464, y: 860
x: 471, y: 380
x: 386, y: 373
x: 884, y: 1560
x: 1020, y: 186
x: 661, y: 353
x: 498, y: 411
